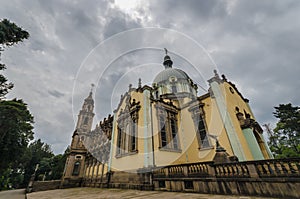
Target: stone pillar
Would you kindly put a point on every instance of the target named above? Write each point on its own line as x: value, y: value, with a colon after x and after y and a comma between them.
x: 252, y: 144
x: 252, y: 171
x: 216, y: 93
x: 148, y: 156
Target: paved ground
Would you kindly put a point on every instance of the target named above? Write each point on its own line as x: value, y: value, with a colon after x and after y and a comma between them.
x: 13, y: 194
x: 96, y: 193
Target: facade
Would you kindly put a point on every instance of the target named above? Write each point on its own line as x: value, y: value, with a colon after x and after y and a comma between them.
x: 164, y: 124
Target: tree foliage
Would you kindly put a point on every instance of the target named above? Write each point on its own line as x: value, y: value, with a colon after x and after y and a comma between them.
x: 16, y: 130
x: 285, y: 141
x: 10, y: 34
x: 52, y: 168
x: 16, y: 122
x: 35, y: 154
x: 18, y: 157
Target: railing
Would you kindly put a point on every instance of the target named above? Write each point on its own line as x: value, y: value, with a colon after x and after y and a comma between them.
x: 176, y: 171
x: 198, y: 169
x: 250, y: 169
x: 278, y: 168
x: 184, y: 170
x: 232, y: 170
x: 160, y: 172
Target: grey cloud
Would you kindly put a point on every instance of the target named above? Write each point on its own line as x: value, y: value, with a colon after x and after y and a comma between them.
x: 56, y: 93
x: 62, y: 35
x: 253, y: 42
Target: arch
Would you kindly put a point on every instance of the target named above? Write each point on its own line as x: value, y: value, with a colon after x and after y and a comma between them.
x: 76, y: 168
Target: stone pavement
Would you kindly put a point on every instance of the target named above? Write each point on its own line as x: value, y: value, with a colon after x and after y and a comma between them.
x: 96, y: 193
x: 13, y: 194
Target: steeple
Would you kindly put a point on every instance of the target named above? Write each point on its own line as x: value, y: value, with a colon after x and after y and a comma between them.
x: 86, y: 115
x: 167, y: 60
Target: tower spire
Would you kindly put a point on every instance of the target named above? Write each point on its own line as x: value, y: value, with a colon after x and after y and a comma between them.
x: 92, y: 88
x: 167, y: 60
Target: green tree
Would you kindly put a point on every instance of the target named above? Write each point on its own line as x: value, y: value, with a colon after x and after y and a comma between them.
x: 37, y: 153
x: 58, y: 165
x: 285, y: 141
x: 16, y: 122
x: 52, y: 168
x: 16, y: 131
x: 10, y: 34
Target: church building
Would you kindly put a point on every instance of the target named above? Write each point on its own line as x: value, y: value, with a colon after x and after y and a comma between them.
x: 164, y: 124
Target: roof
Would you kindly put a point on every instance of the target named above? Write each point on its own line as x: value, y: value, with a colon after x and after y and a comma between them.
x: 170, y: 72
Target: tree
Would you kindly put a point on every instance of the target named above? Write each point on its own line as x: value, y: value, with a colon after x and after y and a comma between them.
x: 10, y: 34
x: 285, y: 141
x: 16, y: 122
x: 37, y: 153
x: 15, y: 131
x: 52, y: 168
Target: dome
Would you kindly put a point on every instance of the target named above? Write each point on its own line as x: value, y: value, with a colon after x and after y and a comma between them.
x: 173, y: 83
x: 170, y: 73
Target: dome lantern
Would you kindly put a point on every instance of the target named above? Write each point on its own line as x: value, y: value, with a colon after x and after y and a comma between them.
x: 167, y: 60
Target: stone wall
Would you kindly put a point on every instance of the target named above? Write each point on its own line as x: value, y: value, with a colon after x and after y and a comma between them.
x: 270, y: 178
x: 45, y: 185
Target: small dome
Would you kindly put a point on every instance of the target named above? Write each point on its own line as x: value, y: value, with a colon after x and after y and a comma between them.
x: 167, y: 57
x: 168, y: 73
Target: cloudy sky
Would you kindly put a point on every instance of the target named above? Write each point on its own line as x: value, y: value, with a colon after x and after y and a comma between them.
x: 255, y: 43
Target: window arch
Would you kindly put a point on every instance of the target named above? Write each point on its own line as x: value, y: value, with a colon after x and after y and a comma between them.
x: 200, y: 125
x: 76, y: 168
x: 168, y: 127
x: 86, y: 121
x: 127, y: 129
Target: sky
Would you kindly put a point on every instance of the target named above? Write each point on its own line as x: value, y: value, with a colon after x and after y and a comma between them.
x: 111, y: 44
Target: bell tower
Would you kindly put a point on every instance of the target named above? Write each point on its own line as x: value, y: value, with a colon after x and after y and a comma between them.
x: 74, y: 166
x: 85, y: 116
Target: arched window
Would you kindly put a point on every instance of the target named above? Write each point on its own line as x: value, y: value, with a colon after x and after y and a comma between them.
x: 174, y: 88
x: 200, y: 126
x: 76, y: 168
x: 86, y: 120
x: 127, y: 129
x: 168, y: 129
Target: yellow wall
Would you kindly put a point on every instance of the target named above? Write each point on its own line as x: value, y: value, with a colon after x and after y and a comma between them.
x: 189, y: 146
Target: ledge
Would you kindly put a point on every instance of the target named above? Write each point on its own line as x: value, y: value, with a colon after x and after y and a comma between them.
x: 126, y: 154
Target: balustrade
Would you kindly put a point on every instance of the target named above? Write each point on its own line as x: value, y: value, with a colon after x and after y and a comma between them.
x: 198, y: 170
x: 250, y: 169
x: 278, y: 167
x: 176, y: 171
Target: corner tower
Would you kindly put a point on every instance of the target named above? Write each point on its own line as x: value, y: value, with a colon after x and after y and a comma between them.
x: 74, y: 167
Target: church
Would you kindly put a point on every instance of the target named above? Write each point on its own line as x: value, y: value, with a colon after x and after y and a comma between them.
x: 164, y: 124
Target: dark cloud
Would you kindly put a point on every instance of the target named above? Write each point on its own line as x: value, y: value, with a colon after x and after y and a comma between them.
x: 56, y: 93
x: 255, y: 43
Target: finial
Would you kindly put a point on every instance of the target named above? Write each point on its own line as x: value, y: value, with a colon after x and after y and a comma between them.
x: 140, y: 83
x: 92, y: 87
x: 216, y: 73
x: 129, y: 86
x: 167, y: 60
x: 166, y: 51
x: 224, y: 77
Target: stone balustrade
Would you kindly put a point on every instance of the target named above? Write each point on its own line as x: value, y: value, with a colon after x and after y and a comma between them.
x: 270, y: 178
x: 278, y: 168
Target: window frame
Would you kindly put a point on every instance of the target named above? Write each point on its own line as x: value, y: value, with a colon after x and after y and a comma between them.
x: 76, y: 168
x: 168, y: 127
x: 127, y: 129
x: 198, y: 116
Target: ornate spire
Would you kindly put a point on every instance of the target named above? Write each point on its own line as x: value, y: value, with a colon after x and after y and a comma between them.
x: 167, y: 60
x: 92, y: 88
